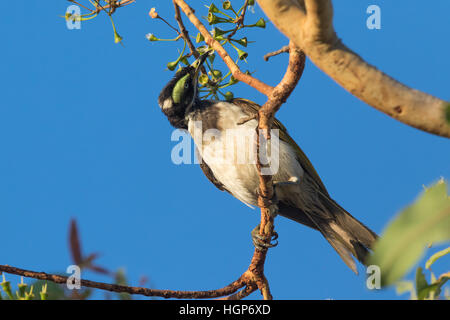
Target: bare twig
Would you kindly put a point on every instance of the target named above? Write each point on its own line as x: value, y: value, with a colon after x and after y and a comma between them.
x: 114, y: 5
x: 184, y: 32
x: 239, y: 21
x: 275, y: 53
x: 230, y: 289
x: 283, y: 90
x: 154, y: 15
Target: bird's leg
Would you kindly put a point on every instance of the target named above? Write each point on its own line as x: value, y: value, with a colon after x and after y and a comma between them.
x: 262, y: 243
x: 272, y: 204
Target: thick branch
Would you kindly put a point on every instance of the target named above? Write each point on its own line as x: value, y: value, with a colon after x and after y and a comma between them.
x: 309, y: 25
x: 237, y: 73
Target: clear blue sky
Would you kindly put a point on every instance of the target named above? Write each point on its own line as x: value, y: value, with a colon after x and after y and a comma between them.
x: 81, y: 135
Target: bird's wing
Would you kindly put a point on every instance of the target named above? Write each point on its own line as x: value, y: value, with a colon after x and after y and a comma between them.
x: 210, y: 175
x: 252, y: 108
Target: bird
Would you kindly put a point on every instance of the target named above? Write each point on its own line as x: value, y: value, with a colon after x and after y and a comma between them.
x: 300, y: 195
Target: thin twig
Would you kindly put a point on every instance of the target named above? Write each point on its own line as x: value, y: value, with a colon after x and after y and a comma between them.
x: 81, y: 5
x: 184, y: 32
x: 275, y: 53
x: 122, y: 3
x: 230, y: 289
x: 239, y: 21
x: 237, y: 73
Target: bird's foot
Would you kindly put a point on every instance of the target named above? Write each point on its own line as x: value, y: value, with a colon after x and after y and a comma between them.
x: 262, y: 243
x: 293, y: 181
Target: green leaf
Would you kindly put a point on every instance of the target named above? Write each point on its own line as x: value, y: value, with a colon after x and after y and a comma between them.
x: 425, y: 290
x: 436, y: 256
x: 405, y: 239
x: 421, y: 283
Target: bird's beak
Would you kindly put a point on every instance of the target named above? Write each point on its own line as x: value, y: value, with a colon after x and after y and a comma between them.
x: 197, y: 65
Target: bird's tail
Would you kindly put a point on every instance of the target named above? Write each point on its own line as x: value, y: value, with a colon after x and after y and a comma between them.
x: 348, y: 236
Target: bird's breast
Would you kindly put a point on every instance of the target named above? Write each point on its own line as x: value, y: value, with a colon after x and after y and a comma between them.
x: 228, y: 147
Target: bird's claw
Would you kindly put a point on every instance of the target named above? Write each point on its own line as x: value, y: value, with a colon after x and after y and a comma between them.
x: 261, y: 243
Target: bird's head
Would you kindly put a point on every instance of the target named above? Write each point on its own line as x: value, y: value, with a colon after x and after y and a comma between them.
x: 179, y: 95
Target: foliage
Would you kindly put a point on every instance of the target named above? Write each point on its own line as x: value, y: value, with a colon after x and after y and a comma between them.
x: 22, y: 292
x: 405, y: 239
x: 214, y: 81
x: 423, y: 289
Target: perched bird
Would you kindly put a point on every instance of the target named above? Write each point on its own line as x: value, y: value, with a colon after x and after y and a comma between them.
x: 306, y: 200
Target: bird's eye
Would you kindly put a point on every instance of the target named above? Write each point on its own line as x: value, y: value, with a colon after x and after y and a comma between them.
x: 186, y: 85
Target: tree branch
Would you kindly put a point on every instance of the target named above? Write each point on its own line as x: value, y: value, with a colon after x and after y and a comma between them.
x: 308, y: 23
x: 237, y: 73
x: 253, y: 278
x: 230, y: 289
x: 275, y: 53
x: 184, y: 32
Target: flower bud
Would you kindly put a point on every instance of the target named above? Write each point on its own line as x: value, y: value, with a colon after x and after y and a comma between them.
x: 212, y: 19
x: 226, y: 5
x: 242, y: 42
x: 151, y: 37
x: 203, y: 79
x: 172, y: 65
x: 242, y: 54
x: 229, y: 96
x: 217, y: 74
x: 260, y: 23
x: 153, y: 14
x: 117, y: 37
x: 213, y: 8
